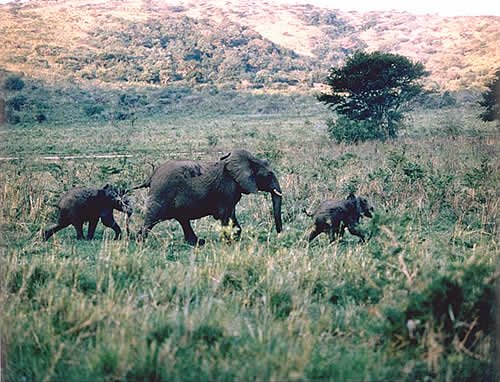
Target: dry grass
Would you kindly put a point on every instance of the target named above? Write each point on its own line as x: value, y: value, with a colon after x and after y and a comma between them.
x: 164, y: 311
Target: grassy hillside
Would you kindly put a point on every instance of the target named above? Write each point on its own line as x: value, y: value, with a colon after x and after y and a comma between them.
x: 114, y: 61
x: 238, y: 44
x: 413, y: 303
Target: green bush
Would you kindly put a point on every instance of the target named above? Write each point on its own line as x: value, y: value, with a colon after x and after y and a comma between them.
x: 281, y: 304
x: 91, y: 110
x: 17, y: 102
x: 12, y: 117
x: 454, y: 311
x: 490, y: 102
x: 413, y: 171
x: 13, y: 83
x: 351, y: 131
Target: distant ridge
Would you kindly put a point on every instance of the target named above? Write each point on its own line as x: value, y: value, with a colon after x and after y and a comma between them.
x: 244, y: 44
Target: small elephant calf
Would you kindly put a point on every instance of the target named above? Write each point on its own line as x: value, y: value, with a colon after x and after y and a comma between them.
x: 82, y: 204
x: 333, y: 216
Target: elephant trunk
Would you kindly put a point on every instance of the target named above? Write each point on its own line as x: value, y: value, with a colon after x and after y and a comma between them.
x: 276, y: 197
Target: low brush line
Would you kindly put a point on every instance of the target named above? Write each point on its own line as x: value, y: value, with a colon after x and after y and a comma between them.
x: 96, y: 156
x: 55, y: 157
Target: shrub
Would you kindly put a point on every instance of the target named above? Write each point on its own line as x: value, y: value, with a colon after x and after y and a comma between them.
x: 454, y: 312
x: 413, y: 171
x: 447, y: 100
x: 40, y: 117
x: 17, y: 102
x: 13, y: 83
x: 13, y: 118
x: 281, y: 304
x: 207, y: 334
x: 352, y: 131
x: 93, y: 110
x: 489, y: 102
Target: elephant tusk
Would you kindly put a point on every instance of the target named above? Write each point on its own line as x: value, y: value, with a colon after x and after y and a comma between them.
x: 277, y: 192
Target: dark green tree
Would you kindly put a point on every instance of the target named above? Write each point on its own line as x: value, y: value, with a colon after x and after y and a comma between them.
x: 491, y: 100
x: 372, y: 90
x: 13, y: 83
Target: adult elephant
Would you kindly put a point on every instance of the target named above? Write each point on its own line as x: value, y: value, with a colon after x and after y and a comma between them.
x: 188, y: 190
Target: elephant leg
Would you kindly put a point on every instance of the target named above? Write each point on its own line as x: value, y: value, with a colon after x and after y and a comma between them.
x: 332, y: 234
x: 189, y: 234
x: 236, y: 224
x: 335, y: 231
x: 226, y: 236
x: 49, y: 232
x: 153, y: 217
x: 316, y: 231
x: 79, y: 230
x: 110, y: 222
x: 354, y: 231
x: 336, y: 228
x: 148, y: 226
x: 92, y: 227
x: 342, y: 231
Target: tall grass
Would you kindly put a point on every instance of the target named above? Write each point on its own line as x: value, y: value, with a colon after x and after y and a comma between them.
x: 266, y: 307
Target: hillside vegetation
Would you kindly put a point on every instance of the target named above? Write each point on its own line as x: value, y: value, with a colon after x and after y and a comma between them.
x: 237, y: 44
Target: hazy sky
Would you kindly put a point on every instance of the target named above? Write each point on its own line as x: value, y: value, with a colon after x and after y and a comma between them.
x: 443, y: 8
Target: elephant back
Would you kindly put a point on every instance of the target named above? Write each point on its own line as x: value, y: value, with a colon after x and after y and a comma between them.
x: 76, y: 196
x: 176, y: 177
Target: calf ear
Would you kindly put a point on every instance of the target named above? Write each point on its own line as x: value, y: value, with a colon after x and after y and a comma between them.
x: 111, y: 191
x: 351, y: 196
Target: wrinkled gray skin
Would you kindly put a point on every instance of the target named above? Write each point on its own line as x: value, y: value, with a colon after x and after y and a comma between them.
x: 334, y: 216
x: 81, y: 205
x: 188, y: 190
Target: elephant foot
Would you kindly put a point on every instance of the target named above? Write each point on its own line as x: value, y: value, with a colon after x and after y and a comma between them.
x: 196, y: 242
x: 230, y: 239
x: 142, y: 234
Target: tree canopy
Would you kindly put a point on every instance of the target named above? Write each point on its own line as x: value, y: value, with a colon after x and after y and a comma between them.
x: 374, y: 87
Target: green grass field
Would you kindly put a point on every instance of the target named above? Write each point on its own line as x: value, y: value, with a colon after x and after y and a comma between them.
x: 414, y: 303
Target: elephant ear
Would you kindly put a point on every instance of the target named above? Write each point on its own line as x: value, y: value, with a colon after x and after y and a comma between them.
x: 238, y: 164
x: 111, y: 191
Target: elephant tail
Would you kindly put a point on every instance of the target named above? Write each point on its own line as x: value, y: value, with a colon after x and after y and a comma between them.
x: 147, y: 183
x: 307, y: 213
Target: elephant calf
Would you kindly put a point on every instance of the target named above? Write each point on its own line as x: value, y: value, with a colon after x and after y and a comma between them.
x: 333, y: 216
x: 81, y: 205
